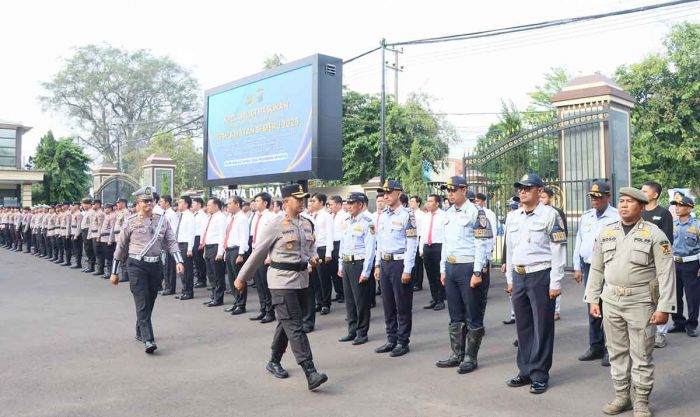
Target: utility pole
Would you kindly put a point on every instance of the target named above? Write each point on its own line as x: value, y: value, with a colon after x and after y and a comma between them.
x: 382, y: 161
x: 396, y: 68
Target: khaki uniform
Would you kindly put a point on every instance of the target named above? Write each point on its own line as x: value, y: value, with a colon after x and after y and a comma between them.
x: 634, y: 276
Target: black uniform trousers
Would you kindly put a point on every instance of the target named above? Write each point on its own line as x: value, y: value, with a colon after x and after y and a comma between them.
x: 398, y: 302
x: 417, y: 271
x: 60, y: 244
x: 144, y: 282
x: 534, y: 322
x: 199, y: 263
x: 264, y: 294
x: 232, y: 269
x: 77, y: 245
x: 169, y: 273
x: 309, y: 312
x: 289, y: 305
x: 333, y: 271
x: 50, y: 246
x: 596, y: 333
x: 68, y: 245
x: 187, y: 279
x: 108, y: 251
x: 42, y: 242
x: 87, y: 245
x: 687, y: 280
x: 357, y: 303
x: 97, y: 248
x: 464, y: 303
x: 431, y: 259
x: 216, y: 272
x: 325, y: 280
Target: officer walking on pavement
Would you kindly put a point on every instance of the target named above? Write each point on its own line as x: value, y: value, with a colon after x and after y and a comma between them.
x: 589, y: 226
x: 632, y: 273
x: 288, y: 241
x: 396, y: 250
x: 467, y: 234
x: 357, y: 248
x: 535, y: 266
x: 142, y: 239
x: 686, y: 252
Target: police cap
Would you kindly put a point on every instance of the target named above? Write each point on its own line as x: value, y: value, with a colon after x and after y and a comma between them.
x: 599, y: 187
x: 635, y: 193
x: 529, y: 180
x: 294, y: 190
x: 453, y: 183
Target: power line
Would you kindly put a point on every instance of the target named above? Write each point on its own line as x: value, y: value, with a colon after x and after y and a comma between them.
x: 347, y: 61
x: 538, y: 25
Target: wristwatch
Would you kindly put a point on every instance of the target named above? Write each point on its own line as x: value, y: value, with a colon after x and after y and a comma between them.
x: 477, y: 274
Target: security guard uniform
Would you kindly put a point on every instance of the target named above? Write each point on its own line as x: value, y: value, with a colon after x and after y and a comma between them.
x: 396, y: 252
x: 632, y: 273
x: 588, y: 229
x: 289, y: 242
x: 139, y: 247
x: 535, y: 265
x: 356, y: 257
x: 686, y: 252
x: 467, y: 235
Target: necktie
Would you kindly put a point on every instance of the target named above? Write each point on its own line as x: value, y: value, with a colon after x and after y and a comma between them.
x: 255, y: 232
x: 430, y: 231
x: 228, y: 230
x: 204, y: 238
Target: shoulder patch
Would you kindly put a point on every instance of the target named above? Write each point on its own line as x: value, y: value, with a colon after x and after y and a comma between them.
x: 665, y: 247
x: 558, y: 233
x: 482, y: 226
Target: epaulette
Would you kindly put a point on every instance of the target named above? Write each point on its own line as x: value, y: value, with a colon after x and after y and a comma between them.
x: 610, y: 222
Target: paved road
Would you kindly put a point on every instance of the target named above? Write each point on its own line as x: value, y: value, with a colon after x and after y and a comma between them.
x: 67, y: 349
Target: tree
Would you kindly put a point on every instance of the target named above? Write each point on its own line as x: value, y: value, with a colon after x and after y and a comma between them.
x: 123, y: 98
x: 666, y: 120
x: 66, y: 166
x: 274, y: 61
x: 540, y: 110
x: 189, y: 172
x: 405, y: 124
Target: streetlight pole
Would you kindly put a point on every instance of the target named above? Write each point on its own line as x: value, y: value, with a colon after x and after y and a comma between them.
x: 383, y: 116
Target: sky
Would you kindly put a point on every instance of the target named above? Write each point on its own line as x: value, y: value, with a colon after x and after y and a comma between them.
x: 224, y: 41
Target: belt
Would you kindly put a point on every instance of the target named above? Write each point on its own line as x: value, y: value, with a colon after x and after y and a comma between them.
x: 586, y: 260
x: 522, y: 269
x: 116, y: 232
x: 684, y: 259
x: 104, y: 234
x: 232, y: 248
x: 147, y: 259
x: 353, y: 258
x: 624, y: 291
x: 290, y: 266
x: 393, y: 256
x: 460, y: 259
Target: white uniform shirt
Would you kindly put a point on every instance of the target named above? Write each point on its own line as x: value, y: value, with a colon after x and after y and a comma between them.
x: 237, y: 235
x: 200, y: 221
x: 214, y: 232
x: 323, y: 222
x: 258, y: 223
x: 338, y: 221
x: 438, y: 235
x: 184, y: 226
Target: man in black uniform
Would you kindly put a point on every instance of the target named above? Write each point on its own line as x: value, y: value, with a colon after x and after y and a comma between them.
x: 289, y: 242
x: 141, y: 240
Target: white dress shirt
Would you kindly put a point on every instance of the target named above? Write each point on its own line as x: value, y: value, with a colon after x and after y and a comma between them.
x: 158, y: 210
x: 200, y: 222
x: 237, y: 235
x: 419, y: 216
x: 338, y: 221
x: 324, y: 230
x: 258, y: 223
x: 491, y: 216
x: 184, y: 226
x: 215, y: 230
x: 438, y: 235
x: 171, y: 217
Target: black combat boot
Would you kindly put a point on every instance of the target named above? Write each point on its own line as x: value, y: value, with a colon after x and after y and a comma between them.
x: 473, y: 344
x: 458, y: 334
x: 275, y: 366
x: 313, y: 377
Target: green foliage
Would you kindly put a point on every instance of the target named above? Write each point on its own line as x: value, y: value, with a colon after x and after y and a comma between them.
x: 118, y: 96
x: 406, y: 124
x: 189, y: 172
x: 67, y: 172
x: 666, y: 120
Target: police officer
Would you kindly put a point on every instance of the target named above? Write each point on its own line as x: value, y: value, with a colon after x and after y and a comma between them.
x: 122, y: 214
x: 686, y: 252
x: 95, y: 227
x: 589, y: 226
x: 288, y: 240
x: 535, y: 266
x: 106, y: 238
x: 67, y: 233
x: 76, y: 236
x: 356, y: 257
x: 396, y: 251
x: 142, y: 239
x: 632, y: 273
x: 88, y: 214
x: 467, y: 235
